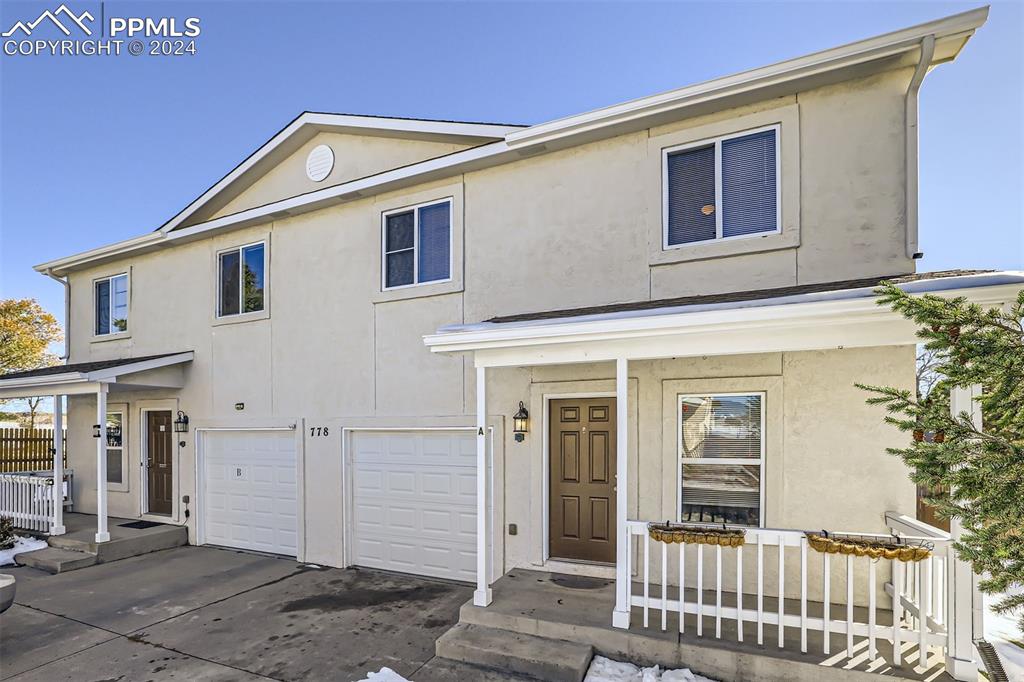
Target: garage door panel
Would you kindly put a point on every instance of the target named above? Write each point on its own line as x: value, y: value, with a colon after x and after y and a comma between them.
x: 250, y: 491
x: 414, y: 507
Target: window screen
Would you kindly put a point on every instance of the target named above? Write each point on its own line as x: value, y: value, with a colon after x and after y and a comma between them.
x: 242, y: 280
x: 111, y: 300
x: 691, y: 196
x: 749, y: 184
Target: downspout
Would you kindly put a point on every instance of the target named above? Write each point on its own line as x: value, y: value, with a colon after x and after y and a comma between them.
x: 927, y: 52
x: 67, y: 312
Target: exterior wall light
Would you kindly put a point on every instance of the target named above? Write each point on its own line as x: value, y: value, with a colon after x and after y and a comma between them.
x: 95, y: 430
x: 181, y: 423
x: 521, y: 423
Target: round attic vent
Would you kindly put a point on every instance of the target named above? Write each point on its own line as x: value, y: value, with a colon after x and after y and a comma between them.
x: 319, y: 163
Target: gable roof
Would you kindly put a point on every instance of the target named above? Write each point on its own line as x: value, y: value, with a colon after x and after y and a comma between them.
x: 309, y: 123
x: 498, y: 143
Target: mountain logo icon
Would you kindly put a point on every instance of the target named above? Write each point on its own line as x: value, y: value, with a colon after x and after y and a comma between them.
x: 53, y: 17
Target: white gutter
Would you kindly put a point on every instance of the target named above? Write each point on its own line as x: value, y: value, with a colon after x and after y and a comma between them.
x: 67, y: 312
x: 927, y: 52
x: 987, y: 289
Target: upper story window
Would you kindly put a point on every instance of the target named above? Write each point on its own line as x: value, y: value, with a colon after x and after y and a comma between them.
x: 241, y: 280
x: 726, y: 188
x: 111, y: 303
x: 417, y: 245
x: 721, y: 458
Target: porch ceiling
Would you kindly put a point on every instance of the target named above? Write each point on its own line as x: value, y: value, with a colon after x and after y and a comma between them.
x: 151, y: 371
x: 830, y: 315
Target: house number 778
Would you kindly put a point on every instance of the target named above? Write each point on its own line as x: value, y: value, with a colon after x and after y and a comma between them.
x: 319, y: 431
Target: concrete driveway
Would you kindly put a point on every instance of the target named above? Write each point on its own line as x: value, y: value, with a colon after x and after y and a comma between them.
x: 197, y: 613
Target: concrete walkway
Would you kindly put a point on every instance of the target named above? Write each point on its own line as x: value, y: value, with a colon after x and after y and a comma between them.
x: 197, y: 613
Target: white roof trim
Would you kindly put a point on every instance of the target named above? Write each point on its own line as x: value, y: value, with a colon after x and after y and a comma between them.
x: 879, y: 47
x: 843, y: 305
x: 345, y: 123
x: 515, y: 141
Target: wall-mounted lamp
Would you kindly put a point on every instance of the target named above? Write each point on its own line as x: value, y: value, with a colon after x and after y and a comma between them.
x: 521, y: 423
x: 181, y: 423
x: 95, y: 430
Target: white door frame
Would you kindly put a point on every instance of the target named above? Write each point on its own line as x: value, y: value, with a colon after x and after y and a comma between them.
x: 546, y: 464
x: 348, y: 526
x: 300, y: 480
x: 144, y: 407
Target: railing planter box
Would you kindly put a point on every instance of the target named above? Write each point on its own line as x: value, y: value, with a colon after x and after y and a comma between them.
x: 696, y: 534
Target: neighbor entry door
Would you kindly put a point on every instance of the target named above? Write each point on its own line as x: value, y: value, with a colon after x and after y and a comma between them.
x: 159, y: 461
x: 582, y: 484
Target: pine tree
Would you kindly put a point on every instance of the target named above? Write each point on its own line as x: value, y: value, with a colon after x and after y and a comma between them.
x: 978, y: 474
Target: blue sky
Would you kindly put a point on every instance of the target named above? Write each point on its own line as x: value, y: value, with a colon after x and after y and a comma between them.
x: 98, y: 149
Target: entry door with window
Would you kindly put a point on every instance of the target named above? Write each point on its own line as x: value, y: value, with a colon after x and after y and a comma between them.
x: 582, y: 484
x: 159, y: 461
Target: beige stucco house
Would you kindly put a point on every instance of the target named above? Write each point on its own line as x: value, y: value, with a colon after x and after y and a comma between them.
x: 674, y: 294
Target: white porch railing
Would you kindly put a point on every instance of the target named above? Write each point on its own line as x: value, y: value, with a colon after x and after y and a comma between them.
x: 918, y: 600
x: 28, y: 499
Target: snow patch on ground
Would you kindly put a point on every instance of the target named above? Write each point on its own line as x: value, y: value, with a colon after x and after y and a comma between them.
x: 1002, y: 632
x: 606, y: 670
x: 21, y: 544
x: 383, y: 675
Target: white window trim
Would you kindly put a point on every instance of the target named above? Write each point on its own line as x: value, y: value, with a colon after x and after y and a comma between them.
x: 415, y: 244
x: 719, y: 460
x: 241, y: 314
x: 110, y: 306
x: 121, y: 409
x: 717, y: 143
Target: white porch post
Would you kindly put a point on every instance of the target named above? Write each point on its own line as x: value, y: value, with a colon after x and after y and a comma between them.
x: 965, y: 606
x: 620, y: 617
x: 482, y: 595
x: 101, y: 465
x: 57, y: 524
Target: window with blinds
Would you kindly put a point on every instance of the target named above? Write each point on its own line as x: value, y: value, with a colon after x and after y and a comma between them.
x: 417, y: 245
x: 721, y: 451
x: 722, y: 189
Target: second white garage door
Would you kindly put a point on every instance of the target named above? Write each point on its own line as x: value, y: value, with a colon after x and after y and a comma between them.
x: 414, y: 502
x: 250, y: 496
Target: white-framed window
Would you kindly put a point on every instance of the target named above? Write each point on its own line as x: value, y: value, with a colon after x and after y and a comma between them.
x: 241, y: 279
x: 723, y: 188
x: 416, y: 245
x: 110, y: 302
x: 117, y: 456
x: 721, y: 458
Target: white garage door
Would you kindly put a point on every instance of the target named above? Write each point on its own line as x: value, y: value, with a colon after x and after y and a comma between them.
x: 250, y: 498
x: 414, y: 502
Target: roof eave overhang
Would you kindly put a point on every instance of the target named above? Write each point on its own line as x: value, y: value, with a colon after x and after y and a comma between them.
x: 73, y: 383
x: 855, y: 322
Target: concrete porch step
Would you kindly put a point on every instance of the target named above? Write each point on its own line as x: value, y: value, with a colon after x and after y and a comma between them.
x: 54, y: 560
x: 537, y: 657
x: 122, y: 547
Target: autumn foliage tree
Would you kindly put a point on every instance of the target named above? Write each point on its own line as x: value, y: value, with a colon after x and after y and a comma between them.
x: 26, y: 332
x: 976, y: 474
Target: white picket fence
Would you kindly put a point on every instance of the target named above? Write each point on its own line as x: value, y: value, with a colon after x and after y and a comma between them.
x: 28, y: 501
x: 918, y: 583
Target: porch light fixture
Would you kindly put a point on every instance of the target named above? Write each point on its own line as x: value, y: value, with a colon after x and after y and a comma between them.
x: 95, y: 430
x: 520, y: 423
x: 181, y: 423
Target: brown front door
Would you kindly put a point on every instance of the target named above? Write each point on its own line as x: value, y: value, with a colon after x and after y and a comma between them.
x: 159, y: 461
x: 582, y: 455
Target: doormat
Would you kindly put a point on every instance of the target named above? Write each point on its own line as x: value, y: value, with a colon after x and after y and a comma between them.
x: 140, y: 524
x: 579, y: 582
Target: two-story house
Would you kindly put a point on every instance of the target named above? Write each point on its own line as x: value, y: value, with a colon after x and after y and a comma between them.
x: 458, y: 349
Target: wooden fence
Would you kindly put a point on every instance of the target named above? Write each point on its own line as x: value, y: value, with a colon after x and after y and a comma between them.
x: 28, y: 450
